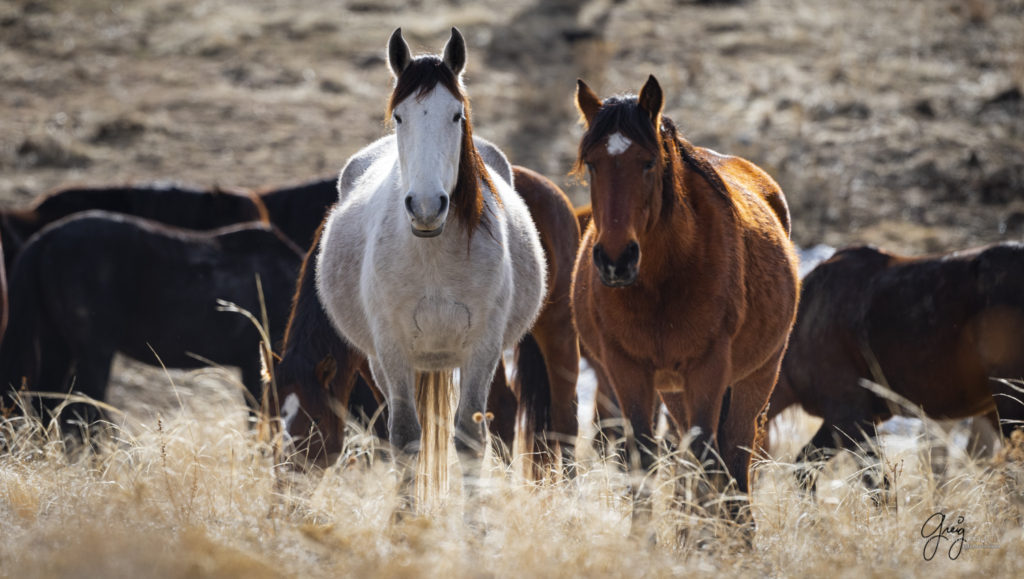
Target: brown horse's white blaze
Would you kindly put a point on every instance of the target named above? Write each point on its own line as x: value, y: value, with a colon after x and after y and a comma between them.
x: 685, y: 286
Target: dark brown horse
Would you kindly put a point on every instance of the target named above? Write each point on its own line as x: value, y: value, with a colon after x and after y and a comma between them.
x: 172, y: 205
x: 318, y: 373
x: 686, y: 283
x: 322, y: 372
x: 548, y: 358
x: 298, y: 210
x: 96, y: 283
x: 937, y: 330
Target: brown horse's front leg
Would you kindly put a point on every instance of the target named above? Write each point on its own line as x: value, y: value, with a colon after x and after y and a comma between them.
x: 738, y: 431
x: 694, y: 401
x: 694, y: 397
x: 633, y: 384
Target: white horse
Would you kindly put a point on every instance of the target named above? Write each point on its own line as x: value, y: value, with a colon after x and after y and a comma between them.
x: 430, y: 261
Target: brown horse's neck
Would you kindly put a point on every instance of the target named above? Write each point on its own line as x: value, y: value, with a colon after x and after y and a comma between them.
x: 689, y: 227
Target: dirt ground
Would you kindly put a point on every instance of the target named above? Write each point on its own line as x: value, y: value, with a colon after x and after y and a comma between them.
x: 895, y: 123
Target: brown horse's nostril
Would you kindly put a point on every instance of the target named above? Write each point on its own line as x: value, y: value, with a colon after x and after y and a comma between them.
x: 630, y: 255
x: 601, y: 259
x: 619, y: 272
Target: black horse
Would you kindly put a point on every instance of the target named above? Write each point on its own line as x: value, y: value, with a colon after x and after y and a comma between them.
x: 168, y: 204
x: 97, y: 283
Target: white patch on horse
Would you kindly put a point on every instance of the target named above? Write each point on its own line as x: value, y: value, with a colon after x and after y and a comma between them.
x: 289, y: 410
x: 617, y: 144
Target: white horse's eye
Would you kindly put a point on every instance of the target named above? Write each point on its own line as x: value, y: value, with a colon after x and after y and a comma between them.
x: 457, y: 117
x: 398, y: 119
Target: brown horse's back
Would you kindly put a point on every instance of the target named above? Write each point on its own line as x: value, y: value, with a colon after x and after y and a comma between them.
x: 823, y: 347
x: 739, y: 171
x: 553, y: 214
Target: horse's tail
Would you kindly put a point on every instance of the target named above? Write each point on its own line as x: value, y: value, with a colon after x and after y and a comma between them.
x: 533, y: 415
x: 435, y: 406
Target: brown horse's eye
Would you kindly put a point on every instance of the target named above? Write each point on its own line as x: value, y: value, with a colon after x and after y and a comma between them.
x: 648, y: 165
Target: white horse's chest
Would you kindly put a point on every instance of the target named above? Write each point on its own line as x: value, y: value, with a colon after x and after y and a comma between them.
x: 433, y: 296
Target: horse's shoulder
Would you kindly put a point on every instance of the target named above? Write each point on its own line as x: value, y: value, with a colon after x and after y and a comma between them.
x: 494, y: 158
x: 359, y: 163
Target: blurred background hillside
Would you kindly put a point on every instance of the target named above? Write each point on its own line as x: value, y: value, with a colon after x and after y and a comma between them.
x: 897, y: 123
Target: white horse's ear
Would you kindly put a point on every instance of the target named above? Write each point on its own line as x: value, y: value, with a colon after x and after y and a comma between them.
x: 399, y: 55
x: 455, y: 52
x: 587, y: 101
x: 651, y: 100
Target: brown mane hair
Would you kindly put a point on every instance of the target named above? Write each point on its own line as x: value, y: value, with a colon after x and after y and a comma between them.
x: 420, y: 77
x: 623, y: 114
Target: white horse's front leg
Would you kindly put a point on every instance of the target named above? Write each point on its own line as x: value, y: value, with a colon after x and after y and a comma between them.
x: 474, y: 387
x: 393, y: 372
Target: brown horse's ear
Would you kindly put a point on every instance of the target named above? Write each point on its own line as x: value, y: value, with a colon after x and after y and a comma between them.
x: 455, y: 52
x: 587, y: 101
x: 399, y: 55
x: 651, y: 100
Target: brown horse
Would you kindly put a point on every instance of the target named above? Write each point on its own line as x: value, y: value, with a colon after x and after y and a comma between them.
x: 318, y: 373
x: 322, y: 372
x: 686, y: 282
x: 548, y: 358
x: 937, y: 330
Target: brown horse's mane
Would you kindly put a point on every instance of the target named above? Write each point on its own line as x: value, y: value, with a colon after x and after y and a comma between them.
x: 623, y: 114
x: 418, y: 79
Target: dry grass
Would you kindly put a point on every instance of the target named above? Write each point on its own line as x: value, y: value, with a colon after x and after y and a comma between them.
x: 194, y: 493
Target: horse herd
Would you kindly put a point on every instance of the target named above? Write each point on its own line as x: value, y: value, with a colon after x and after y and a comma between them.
x: 431, y: 253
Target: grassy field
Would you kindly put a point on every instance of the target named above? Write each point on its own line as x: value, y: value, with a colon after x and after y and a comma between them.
x: 196, y: 493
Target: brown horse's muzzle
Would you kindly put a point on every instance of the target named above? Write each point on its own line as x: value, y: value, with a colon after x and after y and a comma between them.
x: 620, y: 271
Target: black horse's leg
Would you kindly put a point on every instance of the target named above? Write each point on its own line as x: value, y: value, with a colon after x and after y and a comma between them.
x: 92, y: 372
